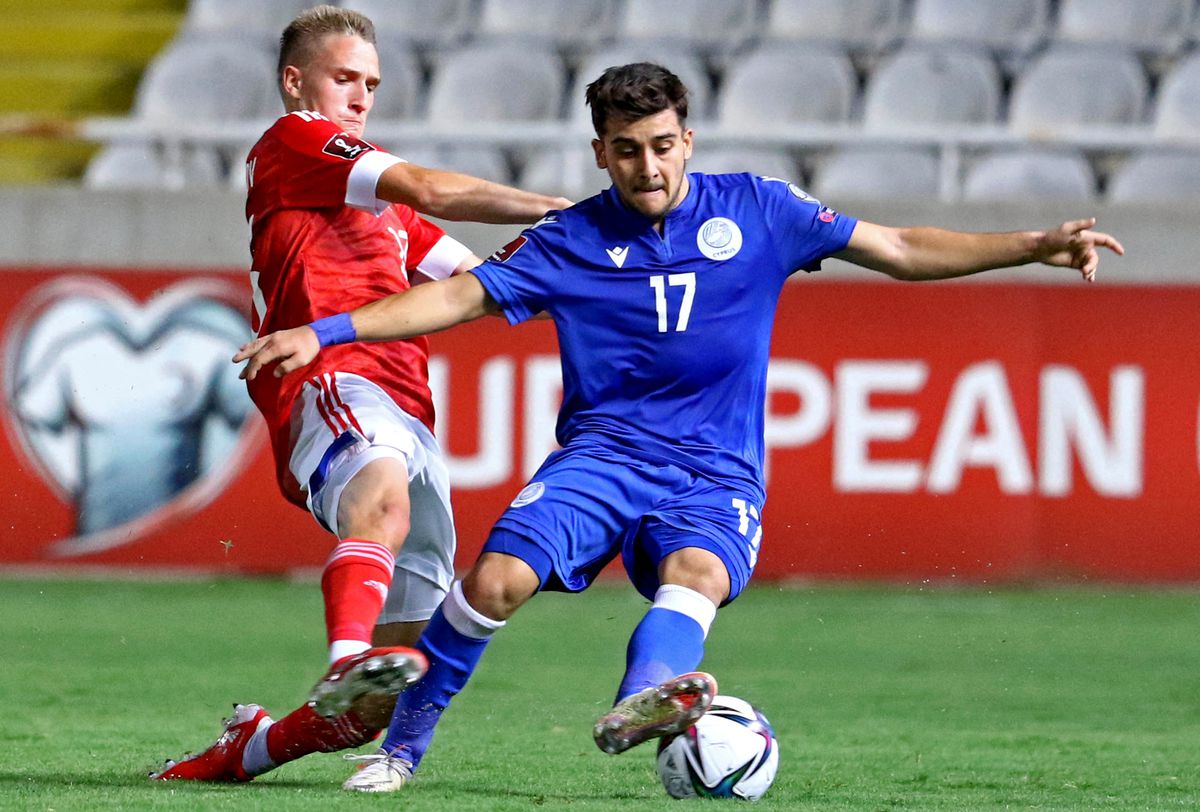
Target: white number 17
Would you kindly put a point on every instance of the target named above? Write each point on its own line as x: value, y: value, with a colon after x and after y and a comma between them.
x: 688, y: 282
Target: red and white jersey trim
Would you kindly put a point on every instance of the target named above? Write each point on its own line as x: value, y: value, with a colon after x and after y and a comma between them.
x: 364, y: 179
x: 445, y: 255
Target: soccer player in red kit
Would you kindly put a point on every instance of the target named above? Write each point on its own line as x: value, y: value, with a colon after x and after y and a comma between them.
x: 334, y: 225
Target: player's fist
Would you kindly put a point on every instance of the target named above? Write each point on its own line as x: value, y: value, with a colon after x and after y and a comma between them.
x: 292, y: 349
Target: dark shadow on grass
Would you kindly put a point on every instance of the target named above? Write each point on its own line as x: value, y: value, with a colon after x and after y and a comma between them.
x: 537, y: 798
x: 56, y: 782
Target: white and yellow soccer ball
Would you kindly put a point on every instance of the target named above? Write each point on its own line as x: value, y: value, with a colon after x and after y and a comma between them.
x: 731, y: 752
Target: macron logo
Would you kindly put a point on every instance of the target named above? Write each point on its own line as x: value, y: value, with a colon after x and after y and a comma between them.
x: 618, y: 254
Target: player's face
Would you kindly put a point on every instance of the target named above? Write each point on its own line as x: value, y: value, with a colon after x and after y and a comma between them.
x: 339, y: 82
x: 645, y: 159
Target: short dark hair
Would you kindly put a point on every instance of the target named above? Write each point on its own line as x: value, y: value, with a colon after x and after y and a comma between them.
x: 635, y: 91
x: 302, y: 35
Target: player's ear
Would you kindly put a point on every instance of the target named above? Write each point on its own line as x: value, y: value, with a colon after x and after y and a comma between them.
x: 687, y: 144
x: 292, y: 82
x: 598, y: 148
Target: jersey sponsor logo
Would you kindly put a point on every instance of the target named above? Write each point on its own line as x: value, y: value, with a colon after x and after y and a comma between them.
x: 505, y: 253
x: 530, y: 493
x: 617, y: 254
x: 826, y: 214
x: 719, y: 238
x: 346, y: 147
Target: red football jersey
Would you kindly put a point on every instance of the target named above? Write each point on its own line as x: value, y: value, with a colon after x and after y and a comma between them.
x: 322, y: 244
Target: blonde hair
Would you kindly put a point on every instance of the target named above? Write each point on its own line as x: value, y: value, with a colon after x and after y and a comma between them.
x: 303, y: 34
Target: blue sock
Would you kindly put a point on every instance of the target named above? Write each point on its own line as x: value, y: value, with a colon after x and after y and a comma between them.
x: 665, y: 644
x: 452, y: 658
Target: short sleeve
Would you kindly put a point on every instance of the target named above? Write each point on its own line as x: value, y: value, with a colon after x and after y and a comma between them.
x: 520, y: 275
x: 322, y: 166
x: 803, y: 230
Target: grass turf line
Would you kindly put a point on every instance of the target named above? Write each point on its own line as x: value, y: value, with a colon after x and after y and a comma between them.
x: 883, y: 698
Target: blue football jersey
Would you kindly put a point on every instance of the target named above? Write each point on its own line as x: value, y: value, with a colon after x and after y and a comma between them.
x: 665, y: 338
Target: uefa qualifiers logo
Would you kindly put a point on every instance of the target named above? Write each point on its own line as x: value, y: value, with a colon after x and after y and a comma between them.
x: 131, y: 413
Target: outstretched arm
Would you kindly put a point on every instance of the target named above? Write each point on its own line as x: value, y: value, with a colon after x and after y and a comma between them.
x: 423, y: 309
x: 934, y: 253
x: 453, y: 196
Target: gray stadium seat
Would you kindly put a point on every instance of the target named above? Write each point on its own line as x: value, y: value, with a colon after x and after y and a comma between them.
x: 238, y: 16
x: 399, y: 93
x: 1157, y: 177
x: 432, y: 24
x: 1178, y: 112
x: 571, y: 24
x: 1025, y: 175
x: 1070, y: 87
x: 778, y: 85
x: 1146, y: 25
x: 571, y: 172
x: 872, y: 24
x: 877, y: 173
x: 142, y: 166
x: 681, y: 61
x: 496, y: 83
x: 930, y: 86
x: 1010, y: 25
x: 711, y: 25
x: 209, y: 79
x: 773, y: 163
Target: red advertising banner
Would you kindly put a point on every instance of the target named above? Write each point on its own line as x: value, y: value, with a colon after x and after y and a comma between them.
x: 942, y: 431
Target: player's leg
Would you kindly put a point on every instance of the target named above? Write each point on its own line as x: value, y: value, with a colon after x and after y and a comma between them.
x: 689, y: 564
x: 454, y: 641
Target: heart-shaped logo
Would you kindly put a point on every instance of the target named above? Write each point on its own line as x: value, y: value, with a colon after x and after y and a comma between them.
x: 129, y: 411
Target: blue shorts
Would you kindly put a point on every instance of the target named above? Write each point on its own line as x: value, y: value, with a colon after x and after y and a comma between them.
x: 589, y: 502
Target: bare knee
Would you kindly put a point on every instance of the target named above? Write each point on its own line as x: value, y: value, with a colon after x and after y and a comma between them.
x: 696, y: 569
x: 374, y: 504
x: 499, y: 584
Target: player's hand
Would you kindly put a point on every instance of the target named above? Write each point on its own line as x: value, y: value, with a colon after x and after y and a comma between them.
x: 293, y: 349
x: 1075, y: 245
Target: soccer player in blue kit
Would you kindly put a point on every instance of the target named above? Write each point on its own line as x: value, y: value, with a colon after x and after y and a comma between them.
x: 663, y: 291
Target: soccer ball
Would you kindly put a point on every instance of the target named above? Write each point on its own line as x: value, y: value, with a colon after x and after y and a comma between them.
x: 730, y: 752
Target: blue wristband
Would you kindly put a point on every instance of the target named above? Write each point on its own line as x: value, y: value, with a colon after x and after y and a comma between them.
x: 337, y: 329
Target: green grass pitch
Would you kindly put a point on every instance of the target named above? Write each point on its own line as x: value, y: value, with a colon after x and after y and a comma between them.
x: 883, y: 698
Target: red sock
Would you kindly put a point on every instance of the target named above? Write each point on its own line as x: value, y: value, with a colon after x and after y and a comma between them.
x: 355, y: 584
x: 302, y: 732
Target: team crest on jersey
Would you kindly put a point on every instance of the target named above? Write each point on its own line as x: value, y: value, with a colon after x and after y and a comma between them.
x: 530, y: 493
x: 719, y: 238
x: 346, y: 147
x: 505, y: 253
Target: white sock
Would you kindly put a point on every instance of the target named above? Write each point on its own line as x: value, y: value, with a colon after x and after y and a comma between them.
x: 687, y: 602
x: 345, y: 648
x: 465, y: 619
x: 256, y: 760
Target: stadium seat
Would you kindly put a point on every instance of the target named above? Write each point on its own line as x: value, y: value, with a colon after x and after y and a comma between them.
x: 238, y: 16
x: 399, y: 93
x: 930, y: 86
x: 569, y: 172
x: 716, y: 26
x: 871, y: 24
x: 774, y: 86
x: 1015, y: 26
x: 877, y: 173
x: 1145, y: 25
x: 574, y: 24
x: 142, y: 166
x: 1157, y: 177
x: 681, y: 61
x: 213, y: 78
x: 1178, y: 111
x: 496, y: 83
x: 1069, y: 87
x: 428, y: 24
x: 1025, y: 175
x: 773, y: 163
